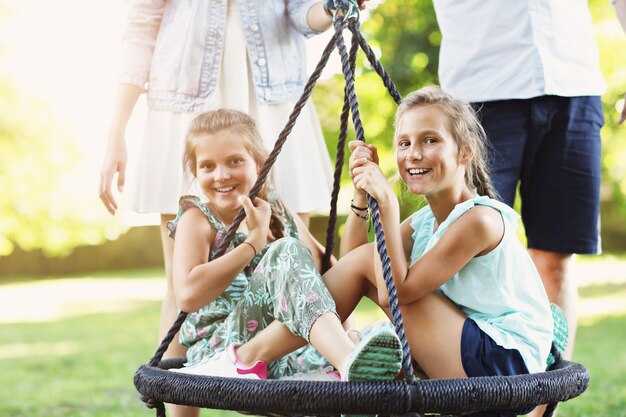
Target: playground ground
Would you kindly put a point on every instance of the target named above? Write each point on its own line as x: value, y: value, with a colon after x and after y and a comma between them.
x: 69, y: 346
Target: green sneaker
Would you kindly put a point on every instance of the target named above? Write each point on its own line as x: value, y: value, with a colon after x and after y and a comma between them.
x: 377, y: 357
x: 561, y: 332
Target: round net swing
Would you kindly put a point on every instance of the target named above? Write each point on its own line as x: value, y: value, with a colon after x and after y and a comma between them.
x: 562, y: 381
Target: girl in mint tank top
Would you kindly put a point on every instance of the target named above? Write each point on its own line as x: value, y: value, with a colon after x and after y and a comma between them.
x: 254, y: 310
x: 472, y: 301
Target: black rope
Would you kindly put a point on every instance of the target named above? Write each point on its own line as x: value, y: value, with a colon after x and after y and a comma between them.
x: 341, y: 151
x: 375, y: 215
x: 374, y: 62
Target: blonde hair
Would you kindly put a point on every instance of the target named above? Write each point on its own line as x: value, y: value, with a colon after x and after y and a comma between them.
x: 206, y: 126
x: 466, y: 130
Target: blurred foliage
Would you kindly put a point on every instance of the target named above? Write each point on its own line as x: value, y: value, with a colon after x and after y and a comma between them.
x: 406, y: 36
x: 36, y: 155
x: 406, y: 39
x: 610, y: 38
x: 42, y: 206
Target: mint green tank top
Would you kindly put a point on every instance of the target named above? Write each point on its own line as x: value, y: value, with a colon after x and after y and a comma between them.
x: 501, y: 290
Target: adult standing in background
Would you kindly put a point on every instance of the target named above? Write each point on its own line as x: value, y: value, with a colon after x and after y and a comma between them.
x: 530, y: 67
x: 194, y: 56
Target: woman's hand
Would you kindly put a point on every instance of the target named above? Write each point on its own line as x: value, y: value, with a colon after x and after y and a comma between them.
x: 258, y: 220
x: 114, y: 163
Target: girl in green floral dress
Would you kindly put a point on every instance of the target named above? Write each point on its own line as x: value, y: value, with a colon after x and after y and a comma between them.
x: 253, y: 310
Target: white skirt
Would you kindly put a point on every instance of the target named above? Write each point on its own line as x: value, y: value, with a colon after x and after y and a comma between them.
x: 303, y: 170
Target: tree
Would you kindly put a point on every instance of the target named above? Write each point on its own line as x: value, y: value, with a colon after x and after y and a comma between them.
x: 36, y: 155
x: 407, y: 36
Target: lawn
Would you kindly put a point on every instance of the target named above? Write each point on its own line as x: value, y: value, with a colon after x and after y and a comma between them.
x: 69, y: 347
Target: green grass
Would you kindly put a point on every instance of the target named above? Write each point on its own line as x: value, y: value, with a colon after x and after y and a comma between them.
x: 83, y: 364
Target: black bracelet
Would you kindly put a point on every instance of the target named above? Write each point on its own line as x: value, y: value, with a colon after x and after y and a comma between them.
x: 252, y: 246
x: 366, y: 217
x: 353, y: 207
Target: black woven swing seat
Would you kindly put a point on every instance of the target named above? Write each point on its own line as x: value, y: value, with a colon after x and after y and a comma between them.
x: 564, y: 380
x: 441, y: 396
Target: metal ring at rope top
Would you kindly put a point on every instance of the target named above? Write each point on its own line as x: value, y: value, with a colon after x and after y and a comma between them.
x: 349, y: 9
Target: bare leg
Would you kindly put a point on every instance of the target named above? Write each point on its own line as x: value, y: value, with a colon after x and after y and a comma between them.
x: 352, y: 278
x: 433, y: 324
x: 306, y: 219
x: 560, y: 286
x: 330, y: 339
x: 327, y: 336
x: 562, y: 290
x: 263, y: 346
x: 169, y: 312
x: 433, y: 327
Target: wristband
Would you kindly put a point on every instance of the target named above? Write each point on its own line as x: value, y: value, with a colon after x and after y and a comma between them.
x: 364, y: 217
x: 353, y: 207
x: 252, y: 246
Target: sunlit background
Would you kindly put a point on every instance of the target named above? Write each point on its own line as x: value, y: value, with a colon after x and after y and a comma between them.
x: 65, y: 54
x: 80, y: 289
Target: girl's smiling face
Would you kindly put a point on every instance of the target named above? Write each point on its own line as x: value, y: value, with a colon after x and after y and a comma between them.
x: 427, y: 154
x: 225, y: 170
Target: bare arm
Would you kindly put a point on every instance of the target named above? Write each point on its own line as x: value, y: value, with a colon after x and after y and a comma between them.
x: 355, y: 230
x: 406, y: 233
x: 475, y: 233
x: 197, y: 281
x: 138, y: 40
x: 115, y: 156
x: 317, y: 18
x: 368, y: 177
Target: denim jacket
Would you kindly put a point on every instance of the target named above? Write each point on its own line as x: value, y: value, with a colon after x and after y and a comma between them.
x: 176, y: 47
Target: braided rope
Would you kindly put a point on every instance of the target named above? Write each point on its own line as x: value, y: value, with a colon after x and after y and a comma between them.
x: 341, y: 151
x: 374, y: 62
x: 375, y: 215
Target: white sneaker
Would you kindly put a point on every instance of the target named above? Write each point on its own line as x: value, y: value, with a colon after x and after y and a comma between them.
x: 224, y: 363
x: 322, y: 374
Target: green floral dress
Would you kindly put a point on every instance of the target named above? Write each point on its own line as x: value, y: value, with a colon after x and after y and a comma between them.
x: 281, y: 283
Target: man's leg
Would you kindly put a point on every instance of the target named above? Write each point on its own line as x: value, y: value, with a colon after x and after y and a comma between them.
x: 562, y: 289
